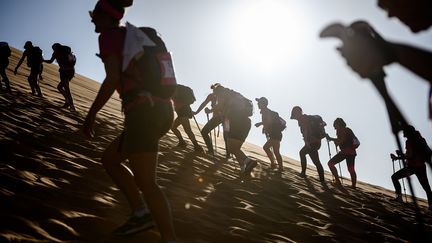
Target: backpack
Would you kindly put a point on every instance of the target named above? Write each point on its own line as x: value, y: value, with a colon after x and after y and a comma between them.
x: 317, y: 125
x: 5, y: 51
x: 153, y: 71
x: 67, y: 58
x: 184, y: 94
x: 354, y: 141
x: 278, y: 122
x: 34, y: 57
x: 236, y: 104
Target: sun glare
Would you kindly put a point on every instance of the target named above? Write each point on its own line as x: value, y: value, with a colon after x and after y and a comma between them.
x: 269, y: 32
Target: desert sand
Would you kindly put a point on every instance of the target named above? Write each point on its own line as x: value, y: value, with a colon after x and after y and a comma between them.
x: 53, y: 188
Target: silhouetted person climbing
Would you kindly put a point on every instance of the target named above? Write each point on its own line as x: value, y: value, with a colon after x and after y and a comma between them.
x: 235, y: 110
x: 66, y: 61
x: 417, y: 154
x: 214, y: 122
x: 138, y: 65
x: 312, y: 129
x: 183, y: 98
x: 5, y: 53
x: 34, y: 62
x: 273, y: 125
x: 347, y: 142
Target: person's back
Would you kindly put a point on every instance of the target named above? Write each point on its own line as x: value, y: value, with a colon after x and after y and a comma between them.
x: 5, y: 52
x: 34, y: 57
x: 65, y: 58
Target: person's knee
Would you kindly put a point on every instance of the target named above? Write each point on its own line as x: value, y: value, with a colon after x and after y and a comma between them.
x: 331, y: 164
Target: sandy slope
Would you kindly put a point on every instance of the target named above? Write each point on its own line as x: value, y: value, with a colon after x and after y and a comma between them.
x: 53, y: 189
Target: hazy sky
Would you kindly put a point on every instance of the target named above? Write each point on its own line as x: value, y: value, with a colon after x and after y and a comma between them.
x: 260, y: 48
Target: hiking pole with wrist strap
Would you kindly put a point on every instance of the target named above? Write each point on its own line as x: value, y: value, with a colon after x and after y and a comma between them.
x: 339, y: 164
x: 329, y: 153
x: 403, y: 183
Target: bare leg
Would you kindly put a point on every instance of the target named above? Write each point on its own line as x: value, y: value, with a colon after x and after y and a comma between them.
x: 269, y: 153
x: 121, y: 175
x: 175, y: 130
x: 144, y: 167
x: 276, y: 151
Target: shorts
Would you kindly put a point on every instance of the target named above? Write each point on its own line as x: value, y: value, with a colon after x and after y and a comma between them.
x: 144, y: 126
x: 239, y: 128
x: 66, y: 74
x: 184, y: 111
x: 275, y: 134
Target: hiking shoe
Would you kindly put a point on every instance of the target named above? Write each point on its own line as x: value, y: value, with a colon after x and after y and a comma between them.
x: 181, y: 144
x: 198, y: 148
x: 302, y: 175
x: 398, y: 199
x: 135, y: 224
x: 249, y: 167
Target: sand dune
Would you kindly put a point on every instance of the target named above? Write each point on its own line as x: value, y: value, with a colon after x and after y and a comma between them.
x: 53, y: 188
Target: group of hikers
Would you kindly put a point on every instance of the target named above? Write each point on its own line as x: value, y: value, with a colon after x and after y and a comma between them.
x: 144, y: 77
x: 62, y: 54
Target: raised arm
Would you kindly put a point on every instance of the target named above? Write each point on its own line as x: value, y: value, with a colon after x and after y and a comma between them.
x: 204, y: 103
x: 50, y: 60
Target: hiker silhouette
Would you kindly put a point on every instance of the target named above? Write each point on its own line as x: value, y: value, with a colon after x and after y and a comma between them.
x: 148, y: 115
x: 234, y: 110
x: 417, y: 153
x: 212, y: 123
x: 5, y: 53
x: 347, y: 142
x: 182, y: 99
x: 66, y: 61
x: 34, y: 62
x: 273, y: 126
x: 312, y: 139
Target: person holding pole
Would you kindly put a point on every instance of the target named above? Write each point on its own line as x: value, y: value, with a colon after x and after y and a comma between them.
x: 212, y: 123
x: 348, y: 143
x: 416, y: 154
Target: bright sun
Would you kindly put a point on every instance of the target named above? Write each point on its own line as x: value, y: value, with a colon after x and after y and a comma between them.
x: 269, y: 32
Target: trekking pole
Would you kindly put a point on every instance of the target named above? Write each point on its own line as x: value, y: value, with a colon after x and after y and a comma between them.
x: 340, y: 169
x: 403, y: 183
x: 208, y: 119
x: 328, y: 147
x: 215, y: 141
x: 199, y: 129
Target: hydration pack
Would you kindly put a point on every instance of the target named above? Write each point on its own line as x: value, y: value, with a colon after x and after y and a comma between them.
x: 153, y: 71
x: 66, y: 57
x: 317, y: 126
x: 184, y: 94
x: 34, y: 58
x: 5, y: 51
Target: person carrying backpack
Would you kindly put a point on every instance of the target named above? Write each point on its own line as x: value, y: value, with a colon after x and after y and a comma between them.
x: 416, y: 154
x: 312, y: 129
x: 236, y: 110
x: 34, y: 62
x: 145, y: 83
x: 5, y: 53
x: 66, y: 61
x: 183, y: 98
x: 348, y: 143
x: 273, y: 125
